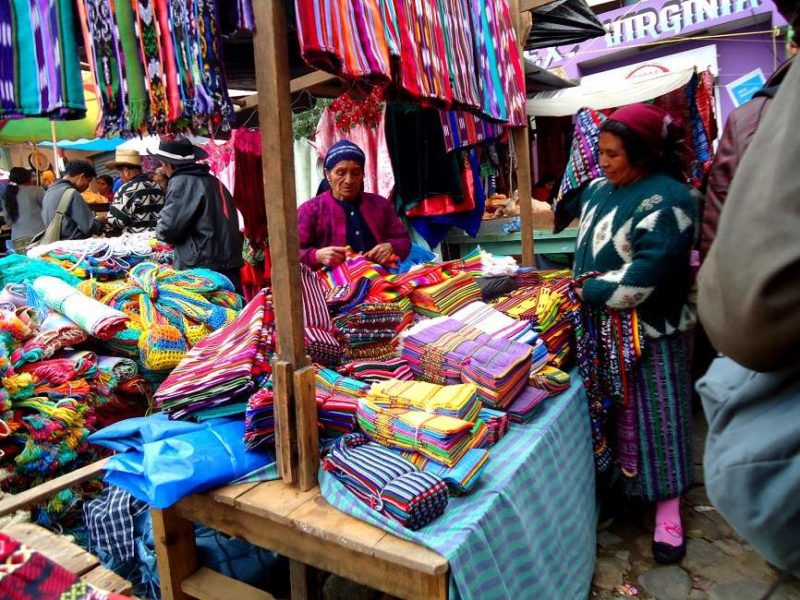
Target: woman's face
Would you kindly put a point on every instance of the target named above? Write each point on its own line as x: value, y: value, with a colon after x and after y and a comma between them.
x: 346, y: 179
x: 614, y: 161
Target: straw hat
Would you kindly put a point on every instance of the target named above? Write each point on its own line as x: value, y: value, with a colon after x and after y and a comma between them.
x: 125, y: 158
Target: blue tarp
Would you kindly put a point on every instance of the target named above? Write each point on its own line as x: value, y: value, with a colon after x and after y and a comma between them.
x: 84, y: 145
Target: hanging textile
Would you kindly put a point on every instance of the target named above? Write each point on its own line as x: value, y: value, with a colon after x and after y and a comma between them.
x: 249, y: 184
x: 39, y: 37
x: 362, y: 121
x: 583, y: 162
x: 462, y: 128
x: 209, y: 74
x: 152, y: 52
x: 170, y: 61
x: 307, y: 170
x: 221, y: 160
x: 236, y: 16
x: 138, y: 100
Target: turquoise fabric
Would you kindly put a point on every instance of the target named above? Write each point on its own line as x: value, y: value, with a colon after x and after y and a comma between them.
x: 528, y: 529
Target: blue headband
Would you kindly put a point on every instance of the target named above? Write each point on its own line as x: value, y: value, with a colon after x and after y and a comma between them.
x: 344, y: 150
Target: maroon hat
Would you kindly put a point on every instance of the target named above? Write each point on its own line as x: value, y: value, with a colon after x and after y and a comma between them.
x: 649, y: 122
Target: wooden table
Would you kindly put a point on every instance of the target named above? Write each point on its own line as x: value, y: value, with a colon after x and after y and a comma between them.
x: 299, y: 525
x: 70, y: 556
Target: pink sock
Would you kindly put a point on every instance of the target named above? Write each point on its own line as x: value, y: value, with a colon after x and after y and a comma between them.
x: 668, y: 522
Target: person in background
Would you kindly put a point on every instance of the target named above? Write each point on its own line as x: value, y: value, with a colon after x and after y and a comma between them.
x: 160, y: 178
x: 47, y: 178
x: 104, y: 184
x: 199, y: 216
x: 636, y: 233
x: 79, y: 221
x: 22, y: 204
x: 139, y: 201
x: 344, y: 215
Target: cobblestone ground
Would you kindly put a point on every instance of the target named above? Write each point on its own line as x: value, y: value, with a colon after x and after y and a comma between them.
x: 718, y: 564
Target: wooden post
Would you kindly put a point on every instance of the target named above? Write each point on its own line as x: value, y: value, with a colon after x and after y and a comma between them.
x: 176, y: 552
x: 277, y: 159
x: 522, y: 147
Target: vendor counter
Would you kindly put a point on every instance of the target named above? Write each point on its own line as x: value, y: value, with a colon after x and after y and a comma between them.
x: 494, y: 239
x: 526, y: 531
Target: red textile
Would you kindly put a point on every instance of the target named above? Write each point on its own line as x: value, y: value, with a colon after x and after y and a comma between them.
x: 248, y: 187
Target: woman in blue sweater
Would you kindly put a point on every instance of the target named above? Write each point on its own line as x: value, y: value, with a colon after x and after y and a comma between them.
x: 632, y: 258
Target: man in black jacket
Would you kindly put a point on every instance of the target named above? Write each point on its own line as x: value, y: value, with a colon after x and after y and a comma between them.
x: 199, y: 216
x: 79, y: 220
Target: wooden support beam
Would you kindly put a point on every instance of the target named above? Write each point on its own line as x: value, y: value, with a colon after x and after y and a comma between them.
x: 210, y: 585
x: 308, y: 81
x: 306, y: 429
x: 527, y: 5
x: 522, y: 148
x: 292, y: 402
x: 304, y: 581
x: 285, y: 429
x: 175, y: 550
x: 50, y: 488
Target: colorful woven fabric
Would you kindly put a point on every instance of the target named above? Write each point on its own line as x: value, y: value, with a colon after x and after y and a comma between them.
x: 57, y: 332
x: 386, y: 482
x: 151, y: 51
x: 497, y: 422
x: 374, y: 371
x: 92, y: 316
x: 321, y: 344
x: 551, y: 380
x: 462, y: 129
x: 461, y: 478
x: 496, y: 324
x: 583, y: 162
x: 446, y: 297
x: 523, y: 408
x: 458, y: 401
x: 222, y: 369
x: 259, y: 419
x: 331, y: 383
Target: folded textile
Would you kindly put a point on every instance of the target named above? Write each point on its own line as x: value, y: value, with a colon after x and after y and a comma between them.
x: 372, y: 371
x: 259, y: 419
x: 386, y: 482
x: 442, y: 438
x: 336, y: 415
x: 522, y: 408
x: 92, y: 316
x: 163, y: 471
x: 343, y: 298
x: 551, y: 380
x: 446, y: 297
x: 497, y: 423
x: 223, y: 368
x: 113, y: 371
x: 498, y: 325
x: 494, y: 287
x: 458, y: 401
x: 460, y: 478
x: 332, y: 383
x: 57, y: 371
x: 56, y: 333
x: 321, y: 344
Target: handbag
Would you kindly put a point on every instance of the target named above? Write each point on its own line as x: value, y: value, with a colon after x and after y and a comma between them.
x: 752, y: 456
x: 52, y: 233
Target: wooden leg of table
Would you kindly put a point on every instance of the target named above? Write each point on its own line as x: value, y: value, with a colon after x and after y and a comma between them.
x: 304, y: 581
x: 175, y: 550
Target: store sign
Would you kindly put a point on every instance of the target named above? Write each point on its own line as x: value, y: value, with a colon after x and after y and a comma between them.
x: 651, y: 21
x: 742, y: 89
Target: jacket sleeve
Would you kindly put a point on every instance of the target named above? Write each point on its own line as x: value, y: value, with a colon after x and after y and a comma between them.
x: 661, y: 239
x: 180, y: 206
x: 118, y: 214
x: 307, y: 233
x: 395, y: 232
x: 749, y: 284
x: 82, y: 215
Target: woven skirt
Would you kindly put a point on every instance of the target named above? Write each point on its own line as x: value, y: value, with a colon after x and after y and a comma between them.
x: 663, y: 400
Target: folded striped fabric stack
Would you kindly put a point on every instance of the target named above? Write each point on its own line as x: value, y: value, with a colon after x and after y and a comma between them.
x: 498, y: 325
x: 259, y: 419
x: 372, y: 371
x: 343, y: 298
x: 354, y: 267
x: 369, y: 330
x: 321, y: 343
x: 458, y: 401
x: 439, y: 437
x: 218, y: 374
x: 462, y: 477
x: 446, y: 297
x: 497, y: 423
x: 551, y: 380
x: 444, y: 350
x: 524, y: 405
x: 336, y: 415
x: 331, y: 383
x: 387, y: 482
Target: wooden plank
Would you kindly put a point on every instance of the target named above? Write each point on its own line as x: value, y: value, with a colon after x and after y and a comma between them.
x: 285, y: 433
x: 306, y: 428
x: 277, y: 159
x: 108, y: 581
x: 402, y: 552
x: 175, y: 550
x: 526, y: 5
x: 49, y: 489
x: 55, y: 547
x: 304, y: 581
x: 274, y: 500
x: 210, y: 585
x: 229, y: 493
x: 308, y: 81
x: 296, y: 543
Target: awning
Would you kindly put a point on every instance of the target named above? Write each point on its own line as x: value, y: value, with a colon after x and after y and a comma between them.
x: 599, y: 95
x: 84, y: 145
x: 563, y: 22
x: 539, y: 79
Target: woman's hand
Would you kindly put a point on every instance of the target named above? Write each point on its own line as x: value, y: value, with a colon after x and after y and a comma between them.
x: 330, y: 256
x: 381, y: 254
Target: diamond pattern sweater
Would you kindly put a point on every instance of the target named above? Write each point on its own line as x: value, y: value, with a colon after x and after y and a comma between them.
x: 638, y: 237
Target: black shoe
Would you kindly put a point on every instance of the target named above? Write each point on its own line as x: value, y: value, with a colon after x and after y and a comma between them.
x: 667, y: 554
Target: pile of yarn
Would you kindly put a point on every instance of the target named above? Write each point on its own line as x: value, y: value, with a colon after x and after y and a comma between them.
x: 170, y: 312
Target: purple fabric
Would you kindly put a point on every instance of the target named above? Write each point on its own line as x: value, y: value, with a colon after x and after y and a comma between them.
x: 321, y: 223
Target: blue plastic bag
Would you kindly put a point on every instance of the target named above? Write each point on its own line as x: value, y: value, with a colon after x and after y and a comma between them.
x: 132, y: 434
x: 163, y: 471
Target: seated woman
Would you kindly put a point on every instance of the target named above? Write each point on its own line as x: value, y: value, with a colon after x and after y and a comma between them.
x: 345, y: 216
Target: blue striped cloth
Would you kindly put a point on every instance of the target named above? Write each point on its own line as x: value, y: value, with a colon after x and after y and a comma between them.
x: 528, y: 528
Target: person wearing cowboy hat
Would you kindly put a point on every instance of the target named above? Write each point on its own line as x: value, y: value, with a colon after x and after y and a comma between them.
x: 199, y: 216
x: 138, y: 201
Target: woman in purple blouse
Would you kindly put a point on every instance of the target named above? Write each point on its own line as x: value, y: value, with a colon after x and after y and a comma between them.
x: 344, y: 215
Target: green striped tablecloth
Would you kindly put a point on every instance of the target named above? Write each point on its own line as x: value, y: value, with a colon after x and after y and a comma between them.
x: 528, y: 529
